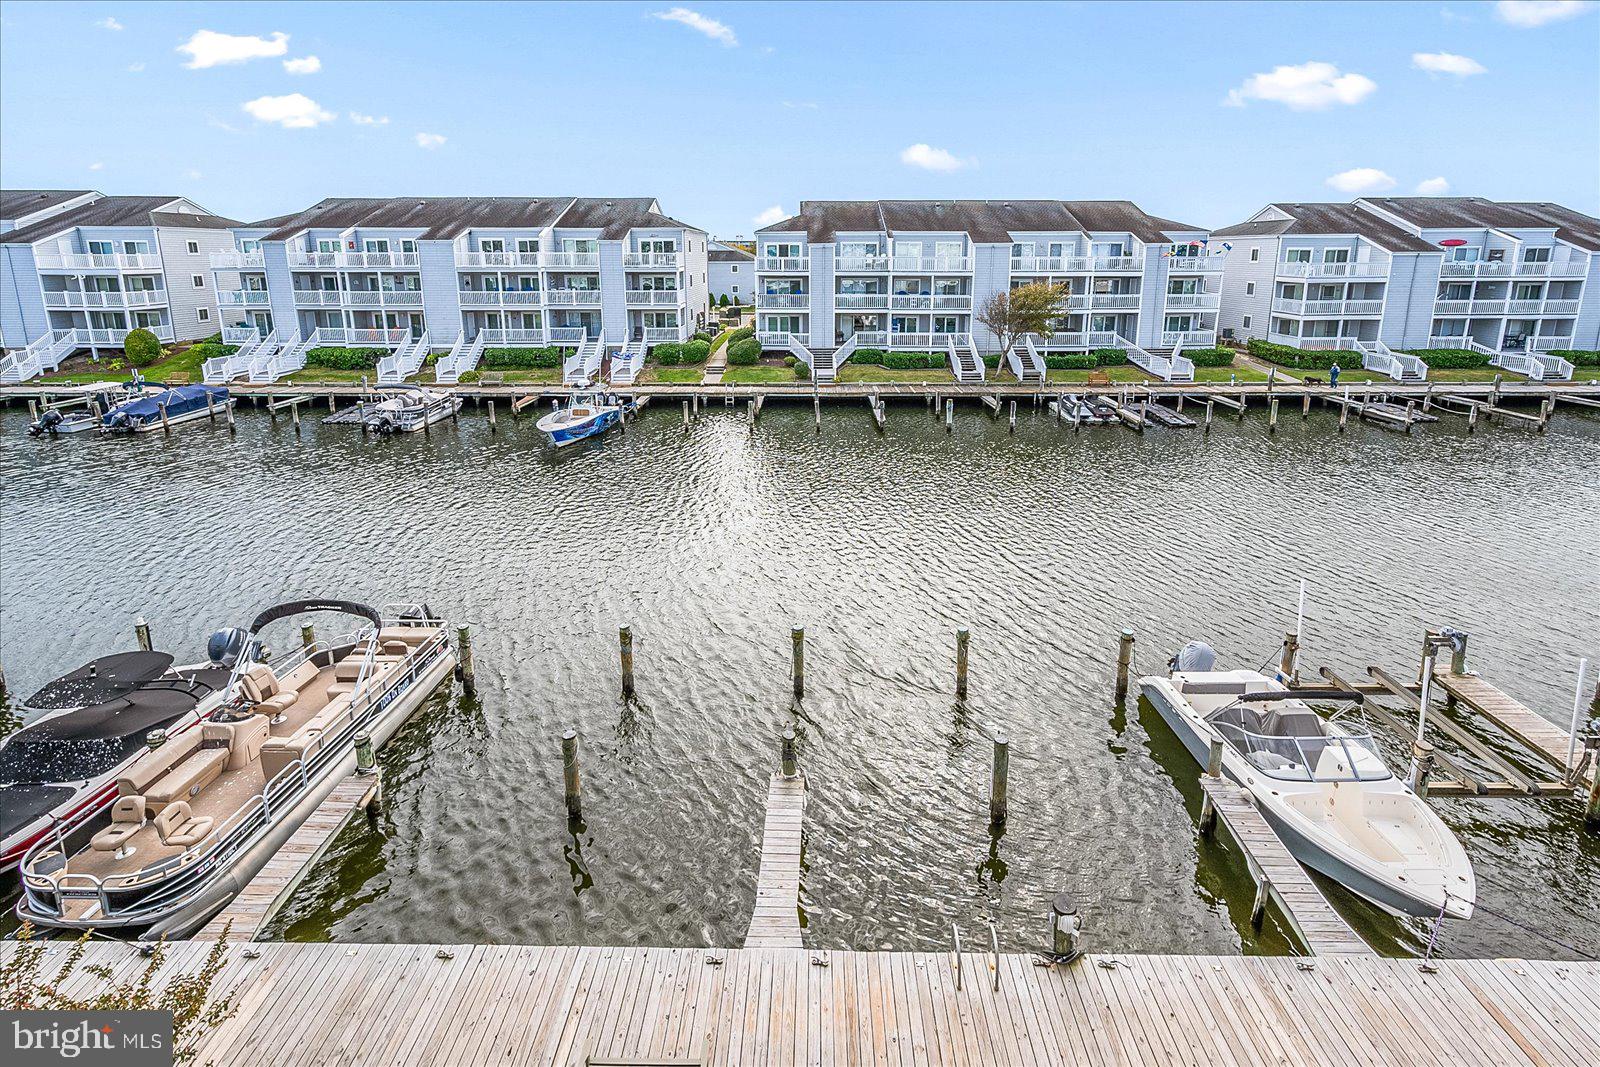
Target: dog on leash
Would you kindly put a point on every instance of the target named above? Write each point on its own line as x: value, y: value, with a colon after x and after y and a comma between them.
x: 1312, y: 379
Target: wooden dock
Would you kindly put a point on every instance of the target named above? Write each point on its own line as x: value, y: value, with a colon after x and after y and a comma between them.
x: 1539, y: 734
x: 1279, y: 875
x: 482, y: 1004
x: 259, y: 901
x: 775, y: 922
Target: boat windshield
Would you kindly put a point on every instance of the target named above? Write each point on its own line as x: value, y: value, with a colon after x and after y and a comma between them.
x: 1318, y: 758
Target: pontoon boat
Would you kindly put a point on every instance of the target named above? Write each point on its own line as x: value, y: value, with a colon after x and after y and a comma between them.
x: 169, y: 406
x: 197, y: 815
x: 408, y: 408
x: 585, y: 415
x: 1322, y: 787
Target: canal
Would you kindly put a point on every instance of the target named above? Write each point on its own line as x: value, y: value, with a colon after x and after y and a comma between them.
x: 712, y: 544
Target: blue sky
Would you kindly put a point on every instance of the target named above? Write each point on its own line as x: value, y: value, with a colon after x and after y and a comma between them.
x: 730, y: 113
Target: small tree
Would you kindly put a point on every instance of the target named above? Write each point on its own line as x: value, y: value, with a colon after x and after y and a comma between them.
x: 141, y: 347
x: 722, y: 301
x: 1025, y: 309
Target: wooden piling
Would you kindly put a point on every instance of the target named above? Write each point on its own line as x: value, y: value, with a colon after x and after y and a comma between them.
x: 1013, y: 416
x: 1472, y: 419
x: 962, y: 638
x: 625, y: 653
x: 787, y: 761
x: 141, y: 633
x: 1411, y: 414
x: 211, y: 407
x: 1208, y: 807
x: 949, y: 415
x: 1305, y: 405
x: 998, y: 774
x: 685, y: 416
x: 1545, y: 407
x: 1124, y: 662
x: 797, y: 658
x: 166, y: 426
x: 33, y: 410
x: 294, y: 410
x: 1291, y: 652
x: 571, y: 786
x: 469, y: 681
x: 492, y: 428
x: 816, y: 411
x: 1210, y: 407
x: 227, y: 413
x: 1272, y: 415
x: 308, y: 635
x: 331, y: 406
x: 1344, y: 411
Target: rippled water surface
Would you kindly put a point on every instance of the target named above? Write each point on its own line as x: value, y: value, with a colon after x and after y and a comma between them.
x: 713, y: 544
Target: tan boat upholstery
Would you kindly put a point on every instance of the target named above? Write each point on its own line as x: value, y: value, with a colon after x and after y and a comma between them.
x: 186, y: 779
x: 127, y: 819
x: 243, y: 740
x: 155, y: 762
x: 177, y: 825
x: 258, y: 683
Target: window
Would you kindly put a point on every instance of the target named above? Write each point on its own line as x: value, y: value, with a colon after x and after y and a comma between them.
x: 136, y: 248
x: 202, y: 314
x: 527, y: 244
x: 101, y: 248
x: 1335, y: 255
x: 735, y: 288
x: 327, y: 246
x: 199, y: 280
x: 491, y: 244
x: 946, y: 324
x: 1247, y: 322
x: 253, y: 245
x: 947, y: 249
x: 1255, y: 254
x: 193, y: 247
x: 379, y: 245
x: 1465, y: 254
x: 1297, y: 255
x: 1249, y: 288
x: 733, y: 269
x: 1535, y: 255
x: 1022, y: 250
x: 408, y: 246
x: 1185, y: 251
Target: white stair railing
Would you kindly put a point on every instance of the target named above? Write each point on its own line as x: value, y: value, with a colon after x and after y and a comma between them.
x: 404, y: 361
x: 800, y: 352
x: 1555, y: 367
x: 29, y: 362
x: 965, y: 362
x: 1157, y: 366
x: 626, y: 364
x: 1381, y: 359
x: 219, y: 370
x: 581, y: 367
x: 1527, y: 362
x: 463, y: 357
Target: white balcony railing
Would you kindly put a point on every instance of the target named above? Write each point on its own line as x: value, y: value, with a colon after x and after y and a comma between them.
x: 566, y: 334
x: 571, y: 260
x: 90, y: 298
x: 1188, y: 338
x: 240, y: 335
x: 317, y: 298
x: 654, y: 297
x: 571, y: 296
x: 659, y: 334
x: 651, y: 260
x: 356, y: 260
x: 1499, y: 268
x: 783, y: 300
x: 930, y: 264
x: 238, y: 261
x: 1560, y: 307
x: 784, y: 265
x: 778, y: 339
x: 1114, y: 300
x: 1551, y: 344
x: 873, y: 263
x: 521, y: 297
x: 952, y: 301
x: 1204, y: 301
x: 1336, y: 308
x: 243, y: 298
x: 861, y: 300
x: 1101, y: 264
x: 1313, y: 344
x: 497, y: 337
x: 1194, y: 264
x: 469, y: 260
x: 1333, y: 270
x: 96, y: 261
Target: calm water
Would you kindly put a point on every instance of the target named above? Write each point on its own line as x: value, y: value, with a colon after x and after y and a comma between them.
x: 1045, y: 544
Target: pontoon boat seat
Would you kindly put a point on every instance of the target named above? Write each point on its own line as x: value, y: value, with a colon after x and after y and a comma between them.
x: 243, y: 740
x: 260, y: 686
x: 411, y: 635
x: 186, y: 779
x: 127, y: 817
x: 178, y: 825
x: 395, y: 647
x: 151, y: 764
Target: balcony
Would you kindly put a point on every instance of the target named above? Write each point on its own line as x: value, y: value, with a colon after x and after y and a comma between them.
x: 770, y: 339
x: 1115, y: 301
x: 1314, y: 344
x: 317, y: 298
x: 661, y: 334
x: 571, y: 260
x: 115, y: 337
x: 930, y: 264
x: 498, y: 337
x: 1560, y: 307
x: 239, y: 335
x: 868, y: 301
x: 360, y: 335
x: 572, y: 296
x: 1546, y: 343
x: 652, y: 260
x: 494, y: 260
x: 356, y: 260
x: 1116, y: 264
x: 1194, y: 264
x: 1188, y: 338
x: 784, y: 265
x: 1572, y: 268
x: 234, y: 298
x: 499, y: 297
x: 1334, y: 308
x: 1202, y: 301
x: 1333, y: 270
x: 1049, y: 264
x: 90, y: 298
x: 654, y: 297
x: 566, y: 334
x: 96, y: 261
x: 1078, y: 339
x: 383, y: 297
x: 238, y: 261
x: 1075, y: 301
x: 870, y: 263
x: 765, y: 301
x: 1522, y: 269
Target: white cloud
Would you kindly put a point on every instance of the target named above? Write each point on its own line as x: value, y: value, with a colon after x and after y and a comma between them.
x: 1308, y: 87
x: 97, y: 166
x: 430, y: 140
x: 717, y: 31
x: 1433, y: 187
x: 109, y: 23
x: 800, y: 105
x: 193, y: 175
x: 293, y: 112
x: 775, y: 213
x: 308, y: 65
x: 930, y: 158
x: 221, y: 125
x: 135, y: 68
x: 208, y: 48
x: 1361, y: 180
x: 1446, y: 63
x: 1531, y: 13
x: 368, y: 120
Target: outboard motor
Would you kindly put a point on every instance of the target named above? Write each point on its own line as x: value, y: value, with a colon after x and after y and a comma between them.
x: 227, y: 645
x: 47, y: 423
x: 1195, y: 656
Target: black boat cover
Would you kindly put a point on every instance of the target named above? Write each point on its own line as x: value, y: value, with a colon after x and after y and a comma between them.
x: 295, y: 607
x: 100, y: 680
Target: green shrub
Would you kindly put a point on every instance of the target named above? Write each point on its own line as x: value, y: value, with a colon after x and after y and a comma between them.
x: 1110, y: 357
x: 1069, y: 361
x: 744, y: 353
x: 722, y: 301
x: 740, y: 334
x: 669, y: 354
x: 1579, y: 358
x: 141, y: 347
x: 209, y: 349
x: 468, y: 377
x: 523, y: 358
x: 214, y: 339
x: 1452, y: 358
x: 871, y: 357
x: 1302, y: 358
x: 991, y: 361
x: 1209, y: 357
x: 801, y: 371
x: 335, y: 358
x: 700, y: 335
x: 697, y: 351
x: 912, y: 360
x: 789, y: 361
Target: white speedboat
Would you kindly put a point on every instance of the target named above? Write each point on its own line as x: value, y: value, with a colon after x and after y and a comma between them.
x: 195, y: 816
x: 586, y: 415
x: 408, y: 408
x: 1323, y: 788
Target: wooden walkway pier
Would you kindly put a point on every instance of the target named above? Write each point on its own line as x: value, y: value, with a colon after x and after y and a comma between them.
x: 461, y: 1005
x: 775, y: 922
x: 1538, y: 734
x: 1278, y: 875
x: 270, y: 889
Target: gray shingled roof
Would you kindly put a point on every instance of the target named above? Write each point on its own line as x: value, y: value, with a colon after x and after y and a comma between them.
x: 191, y: 220
x: 984, y: 221
x: 729, y: 255
x: 1472, y: 212
x: 1331, y: 219
x: 107, y: 211
x: 15, y: 203
x: 442, y: 218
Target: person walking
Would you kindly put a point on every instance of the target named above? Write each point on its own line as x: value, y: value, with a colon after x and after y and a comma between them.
x: 1333, y: 375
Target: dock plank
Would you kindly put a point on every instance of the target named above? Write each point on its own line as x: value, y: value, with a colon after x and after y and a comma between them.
x: 775, y: 920
x: 1514, y: 717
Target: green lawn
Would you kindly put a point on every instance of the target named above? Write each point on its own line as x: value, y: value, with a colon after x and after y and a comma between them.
x: 329, y: 376
x: 671, y: 375
x: 758, y: 375
x: 866, y: 372
x: 186, y: 362
x: 1224, y: 374
x: 1116, y: 374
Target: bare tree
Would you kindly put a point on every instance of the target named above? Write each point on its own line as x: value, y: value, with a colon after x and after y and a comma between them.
x: 1026, y: 309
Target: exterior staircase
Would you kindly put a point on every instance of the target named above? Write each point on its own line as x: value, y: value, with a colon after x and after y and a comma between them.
x: 404, y: 361
x: 1026, y: 364
x: 286, y: 358
x: 1381, y: 359
x: 1173, y: 368
x: 965, y: 362
x: 462, y: 357
x: 45, y: 353
x: 219, y: 370
x: 583, y: 366
x: 626, y: 364
x: 1536, y: 366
